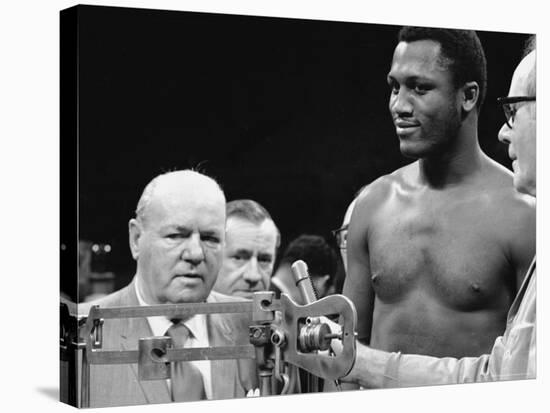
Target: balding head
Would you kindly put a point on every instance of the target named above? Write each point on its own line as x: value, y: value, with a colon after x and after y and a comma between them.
x: 177, y: 237
x: 525, y: 75
x: 190, y: 183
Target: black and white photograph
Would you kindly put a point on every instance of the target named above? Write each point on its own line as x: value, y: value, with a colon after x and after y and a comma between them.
x: 265, y: 206
x: 261, y: 207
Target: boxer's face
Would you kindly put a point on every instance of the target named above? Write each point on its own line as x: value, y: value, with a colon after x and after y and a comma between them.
x: 249, y: 256
x: 424, y: 104
x: 522, y: 136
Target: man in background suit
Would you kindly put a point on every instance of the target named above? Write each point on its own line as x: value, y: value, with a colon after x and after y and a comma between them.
x: 251, y: 242
x: 177, y: 240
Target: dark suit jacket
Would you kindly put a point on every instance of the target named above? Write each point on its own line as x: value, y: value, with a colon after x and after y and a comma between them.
x: 116, y: 385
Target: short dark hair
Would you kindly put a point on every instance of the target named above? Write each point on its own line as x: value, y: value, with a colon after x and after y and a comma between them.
x: 250, y: 210
x: 319, y: 256
x: 462, y: 53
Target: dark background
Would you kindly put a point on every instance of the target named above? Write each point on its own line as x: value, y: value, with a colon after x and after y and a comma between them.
x: 291, y: 113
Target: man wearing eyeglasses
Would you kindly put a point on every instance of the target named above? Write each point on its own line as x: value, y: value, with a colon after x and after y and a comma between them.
x: 513, y: 134
x: 341, y: 237
x: 513, y: 355
x: 438, y: 249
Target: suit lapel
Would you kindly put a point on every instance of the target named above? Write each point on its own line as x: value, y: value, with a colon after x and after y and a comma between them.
x: 154, y: 391
x: 225, y: 383
x: 223, y: 371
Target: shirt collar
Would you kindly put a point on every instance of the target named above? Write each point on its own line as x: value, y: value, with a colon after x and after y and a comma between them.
x: 159, y: 325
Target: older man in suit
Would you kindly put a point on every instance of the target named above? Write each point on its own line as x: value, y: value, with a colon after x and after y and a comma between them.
x: 177, y: 240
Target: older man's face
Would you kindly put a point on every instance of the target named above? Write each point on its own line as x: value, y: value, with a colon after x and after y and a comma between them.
x: 248, y: 257
x: 180, y: 247
x: 522, y: 136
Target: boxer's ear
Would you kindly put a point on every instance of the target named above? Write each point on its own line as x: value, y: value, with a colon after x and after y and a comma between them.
x: 135, y: 231
x: 469, y: 95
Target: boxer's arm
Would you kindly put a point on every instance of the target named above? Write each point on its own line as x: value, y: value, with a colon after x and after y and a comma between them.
x: 357, y: 284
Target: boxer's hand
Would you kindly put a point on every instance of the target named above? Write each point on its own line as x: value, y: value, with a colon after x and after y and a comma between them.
x: 335, y: 328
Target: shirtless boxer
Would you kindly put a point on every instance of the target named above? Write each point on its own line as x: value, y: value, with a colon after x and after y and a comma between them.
x: 438, y: 248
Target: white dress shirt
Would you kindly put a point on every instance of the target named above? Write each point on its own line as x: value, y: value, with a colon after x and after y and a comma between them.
x: 197, y: 327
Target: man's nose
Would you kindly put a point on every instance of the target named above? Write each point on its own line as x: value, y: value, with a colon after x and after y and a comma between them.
x: 504, y: 134
x: 192, y: 250
x: 252, y: 272
x: 400, y: 103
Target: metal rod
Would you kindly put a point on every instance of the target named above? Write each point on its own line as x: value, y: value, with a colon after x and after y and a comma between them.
x: 212, y: 353
x: 303, y: 282
x: 173, y: 354
x: 265, y: 382
x: 173, y: 310
x: 85, y: 382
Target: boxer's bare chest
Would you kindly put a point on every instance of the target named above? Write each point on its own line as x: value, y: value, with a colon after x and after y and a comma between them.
x: 447, y: 247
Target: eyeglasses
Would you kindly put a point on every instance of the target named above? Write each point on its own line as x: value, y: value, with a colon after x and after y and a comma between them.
x: 510, y: 109
x: 341, y: 235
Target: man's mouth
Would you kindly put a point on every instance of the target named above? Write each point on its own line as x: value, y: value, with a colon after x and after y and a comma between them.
x: 401, y: 123
x: 405, y: 126
x: 191, y: 275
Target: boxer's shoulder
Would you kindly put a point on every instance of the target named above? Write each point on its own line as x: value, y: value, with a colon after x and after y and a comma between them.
x: 382, y: 186
x: 376, y: 195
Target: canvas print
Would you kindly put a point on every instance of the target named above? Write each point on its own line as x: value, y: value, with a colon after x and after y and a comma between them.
x: 257, y: 206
